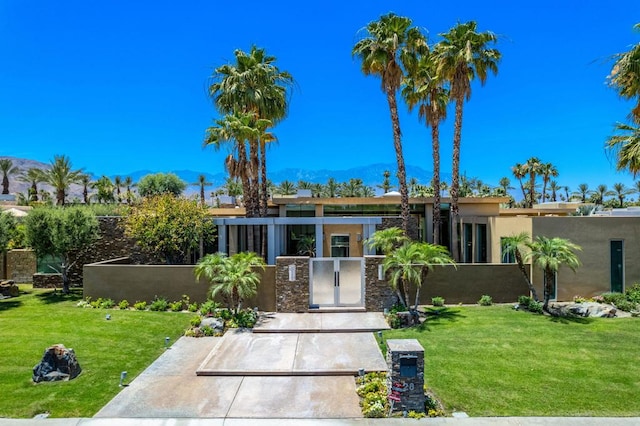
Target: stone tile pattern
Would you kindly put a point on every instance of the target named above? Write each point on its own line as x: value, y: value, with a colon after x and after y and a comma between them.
x: 292, y: 296
x: 47, y: 280
x: 21, y: 265
x: 378, y: 295
x: 413, y: 396
x: 414, y: 229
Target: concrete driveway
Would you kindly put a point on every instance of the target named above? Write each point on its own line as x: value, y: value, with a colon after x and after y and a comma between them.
x: 277, y: 372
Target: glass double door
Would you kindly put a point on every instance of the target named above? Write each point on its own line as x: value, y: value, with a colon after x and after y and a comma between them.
x: 336, y: 282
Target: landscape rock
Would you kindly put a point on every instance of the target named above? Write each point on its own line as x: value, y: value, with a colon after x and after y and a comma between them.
x: 9, y: 289
x: 586, y: 309
x: 215, y: 323
x: 58, y: 363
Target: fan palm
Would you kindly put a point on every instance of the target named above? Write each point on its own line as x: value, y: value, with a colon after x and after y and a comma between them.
x: 520, y: 173
x: 391, y: 43
x: 202, y: 183
x: 463, y: 55
x: 625, y: 146
x: 547, y: 170
x: 425, y: 88
x: 533, y: 168
x: 625, y: 76
x: 7, y: 169
x: 61, y: 176
x: 550, y: 254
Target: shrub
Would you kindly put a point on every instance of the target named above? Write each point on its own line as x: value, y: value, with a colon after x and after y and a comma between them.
x: 196, y: 321
x: 246, y: 318
x: 192, y: 307
x: 107, y: 303
x: 159, y: 304
x: 626, y: 305
x: 123, y: 304
x: 209, y: 307
x: 416, y: 415
x: 394, y: 320
x: 437, y: 301
x: 485, y: 300
x: 96, y: 303
x: 524, y: 301
x: 175, y: 306
x: 613, y: 298
x: 633, y: 293
x: 535, y: 307
x: 140, y: 306
x: 372, y: 389
x: 580, y: 299
x: 207, y: 330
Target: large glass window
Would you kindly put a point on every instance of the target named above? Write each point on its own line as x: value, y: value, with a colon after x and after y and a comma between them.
x: 301, y: 210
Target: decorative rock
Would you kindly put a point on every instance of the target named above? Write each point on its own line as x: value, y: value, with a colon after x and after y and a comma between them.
x: 215, y: 323
x: 58, y: 363
x: 586, y: 309
x: 9, y: 289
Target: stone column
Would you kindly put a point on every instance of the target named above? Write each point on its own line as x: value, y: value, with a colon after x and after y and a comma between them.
x: 405, y: 380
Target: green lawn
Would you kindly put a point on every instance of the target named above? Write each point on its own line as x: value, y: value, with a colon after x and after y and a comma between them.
x: 494, y: 361
x: 30, y: 323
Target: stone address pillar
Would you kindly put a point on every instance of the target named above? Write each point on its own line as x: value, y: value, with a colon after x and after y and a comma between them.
x: 405, y: 380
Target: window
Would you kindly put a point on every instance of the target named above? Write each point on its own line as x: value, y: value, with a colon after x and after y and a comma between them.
x: 339, y: 245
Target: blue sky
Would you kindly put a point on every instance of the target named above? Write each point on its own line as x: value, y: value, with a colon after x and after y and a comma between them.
x: 120, y: 86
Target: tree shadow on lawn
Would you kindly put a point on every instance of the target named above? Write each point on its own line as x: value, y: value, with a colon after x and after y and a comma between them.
x: 571, y: 319
x: 437, y: 316
x: 7, y: 304
x: 57, y: 296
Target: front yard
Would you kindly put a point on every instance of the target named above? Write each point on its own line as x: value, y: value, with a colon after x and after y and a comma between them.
x: 494, y: 361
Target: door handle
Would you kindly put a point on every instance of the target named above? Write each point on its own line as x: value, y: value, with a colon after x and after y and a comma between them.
x: 336, y: 279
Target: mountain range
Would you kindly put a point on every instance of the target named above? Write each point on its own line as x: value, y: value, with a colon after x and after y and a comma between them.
x: 371, y: 175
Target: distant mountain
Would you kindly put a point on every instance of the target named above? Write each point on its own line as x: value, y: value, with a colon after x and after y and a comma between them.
x: 371, y: 175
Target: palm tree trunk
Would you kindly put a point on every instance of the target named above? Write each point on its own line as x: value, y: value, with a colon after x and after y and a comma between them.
x: 548, y: 278
x: 435, y: 143
x: 60, y: 196
x: 524, y: 194
x: 402, y: 174
x: 520, y: 262
x: 264, y: 193
x: 5, y: 185
x: 455, y: 180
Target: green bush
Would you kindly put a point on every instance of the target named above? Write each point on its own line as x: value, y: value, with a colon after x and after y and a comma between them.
x: 140, y: 306
x: 372, y: 389
x: 175, y: 306
x: 535, y: 307
x: 626, y: 305
x: 207, y: 330
x: 633, y: 293
x: 613, y: 297
x: 524, y: 301
x: 485, y: 300
x: 159, y: 304
x: 107, y: 304
x: 196, y: 321
x: 437, y: 301
x: 123, y: 305
x: 394, y: 320
x: 209, y: 307
x: 192, y: 307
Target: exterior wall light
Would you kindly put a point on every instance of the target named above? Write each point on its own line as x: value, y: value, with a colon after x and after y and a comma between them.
x: 292, y: 272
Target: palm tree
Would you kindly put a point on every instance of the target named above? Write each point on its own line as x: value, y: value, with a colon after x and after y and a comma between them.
x: 253, y: 85
x: 85, y: 181
x: 533, y: 167
x: 61, y: 176
x: 331, y: 188
x: 117, y: 183
x: 202, y: 183
x: 598, y: 194
x: 550, y: 254
x: 625, y: 146
x: 286, y: 188
x: 512, y: 246
x: 410, y: 264
x: 128, y: 183
x: 235, y: 277
x: 7, y: 169
x: 105, y: 190
x: 520, y: 173
x: 34, y: 176
x: 425, y: 88
x: 547, y: 170
x: 620, y: 191
x: 554, y: 188
x: 390, y: 43
x: 386, y: 183
x: 463, y: 55
x: 505, y: 185
x: 583, y: 190
x: 625, y: 76
x: 386, y: 240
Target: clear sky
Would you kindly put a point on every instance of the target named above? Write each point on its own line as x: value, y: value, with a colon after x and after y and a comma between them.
x: 120, y: 86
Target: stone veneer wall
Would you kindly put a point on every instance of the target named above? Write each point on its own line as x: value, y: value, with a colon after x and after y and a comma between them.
x: 2, y: 266
x: 378, y: 295
x: 412, y: 397
x: 47, y: 280
x: 292, y: 296
x: 389, y: 222
x: 21, y: 265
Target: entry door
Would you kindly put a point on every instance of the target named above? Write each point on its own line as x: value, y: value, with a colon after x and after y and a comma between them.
x: 336, y: 282
x: 617, y: 266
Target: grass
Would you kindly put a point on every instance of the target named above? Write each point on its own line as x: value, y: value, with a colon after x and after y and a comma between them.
x: 37, y: 319
x: 494, y: 361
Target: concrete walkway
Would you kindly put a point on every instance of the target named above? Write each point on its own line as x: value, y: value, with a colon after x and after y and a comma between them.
x: 278, y: 372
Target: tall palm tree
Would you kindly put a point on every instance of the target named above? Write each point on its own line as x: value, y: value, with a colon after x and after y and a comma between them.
x: 598, y: 194
x: 202, y: 183
x: 625, y: 76
x: 533, y: 168
x: 519, y: 172
x: 128, y: 184
x: 386, y: 183
x: 254, y: 84
x: 583, y: 190
x: 625, y: 146
x: 34, y: 176
x: 85, y: 181
x: 505, y: 185
x: 425, y: 88
x: 463, y: 55
x: 513, y: 246
x: 547, y: 170
x: 61, y: 176
x: 286, y: 188
x: 331, y: 188
x: 620, y: 191
x: 550, y: 254
x: 554, y: 188
x: 390, y: 43
x: 7, y: 169
x: 105, y: 190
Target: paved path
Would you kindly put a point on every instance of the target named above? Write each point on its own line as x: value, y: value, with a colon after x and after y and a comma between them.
x: 278, y: 372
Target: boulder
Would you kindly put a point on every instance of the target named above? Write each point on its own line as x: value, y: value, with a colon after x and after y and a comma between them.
x: 586, y: 309
x: 215, y: 323
x: 9, y: 289
x: 58, y: 363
